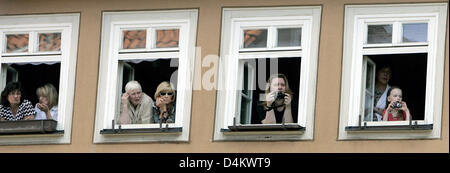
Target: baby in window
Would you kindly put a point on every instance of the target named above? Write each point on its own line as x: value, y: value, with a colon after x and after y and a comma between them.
x: 396, y: 110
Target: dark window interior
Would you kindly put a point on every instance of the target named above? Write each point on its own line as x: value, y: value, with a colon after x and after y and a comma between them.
x: 409, y: 73
x: 151, y: 73
x: 34, y: 76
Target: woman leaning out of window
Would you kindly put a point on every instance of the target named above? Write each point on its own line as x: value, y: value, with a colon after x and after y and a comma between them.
x: 47, y: 108
x: 13, y: 106
x: 164, y: 107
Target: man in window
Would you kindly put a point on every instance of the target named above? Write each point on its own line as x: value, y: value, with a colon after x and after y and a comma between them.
x: 136, y: 107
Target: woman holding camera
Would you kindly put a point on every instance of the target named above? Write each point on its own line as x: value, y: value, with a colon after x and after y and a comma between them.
x: 278, y: 100
x: 397, y: 109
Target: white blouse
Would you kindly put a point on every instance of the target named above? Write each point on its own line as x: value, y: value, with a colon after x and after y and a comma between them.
x: 40, y: 115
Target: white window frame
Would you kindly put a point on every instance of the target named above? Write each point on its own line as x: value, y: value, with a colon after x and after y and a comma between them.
x: 108, y: 83
x: 356, y: 19
x: 68, y: 25
x: 234, y: 20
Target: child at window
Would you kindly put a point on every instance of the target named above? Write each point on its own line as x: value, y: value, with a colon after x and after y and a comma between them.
x: 397, y: 109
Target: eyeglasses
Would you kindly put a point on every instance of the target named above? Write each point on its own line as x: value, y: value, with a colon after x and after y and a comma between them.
x: 164, y: 93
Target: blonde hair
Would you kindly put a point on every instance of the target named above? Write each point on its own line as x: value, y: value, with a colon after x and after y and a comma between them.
x: 48, y: 91
x: 165, y: 86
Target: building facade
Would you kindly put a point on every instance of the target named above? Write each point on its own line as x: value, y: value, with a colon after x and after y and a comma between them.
x: 218, y: 55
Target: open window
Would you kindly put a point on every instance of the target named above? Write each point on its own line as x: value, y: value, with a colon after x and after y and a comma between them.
x: 385, y: 50
x: 154, y: 47
x: 263, y: 47
x: 38, y: 50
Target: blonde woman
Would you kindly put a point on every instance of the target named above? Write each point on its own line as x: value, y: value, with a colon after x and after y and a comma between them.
x: 164, y: 107
x: 278, y: 100
x: 47, y: 108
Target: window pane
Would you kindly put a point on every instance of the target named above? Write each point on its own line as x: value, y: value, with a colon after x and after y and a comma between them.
x: 368, y: 111
x: 379, y: 34
x: 49, y: 42
x: 415, y: 32
x: 17, y: 43
x: 369, y: 79
x: 167, y: 38
x: 134, y: 39
x: 255, y: 38
x: 289, y: 37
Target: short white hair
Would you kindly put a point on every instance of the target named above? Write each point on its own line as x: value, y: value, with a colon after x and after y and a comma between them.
x: 132, y: 85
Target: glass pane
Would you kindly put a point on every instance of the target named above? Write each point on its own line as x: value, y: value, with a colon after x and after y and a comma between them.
x: 379, y: 34
x: 255, y: 38
x: 49, y: 42
x: 415, y: 32
x: 16, y: 43
x: 134, y: 39
x: 289, y: 37
x: 167, y: 38
x: 245, y: 111
x: 245, y: 82
x: 369, y: 77
x: 368, y: 108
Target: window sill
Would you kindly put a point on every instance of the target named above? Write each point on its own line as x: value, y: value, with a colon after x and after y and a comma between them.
x: 26, y: 127
x: 172, y: 130
x: 401, y: 128
x: 264, y: 129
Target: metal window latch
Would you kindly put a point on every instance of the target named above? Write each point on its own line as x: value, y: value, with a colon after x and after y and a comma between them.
x: 120, y: 128
x: 365, y: 125
x: 282, y: 124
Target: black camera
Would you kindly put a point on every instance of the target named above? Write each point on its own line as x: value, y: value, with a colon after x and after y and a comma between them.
x: 280, y: 95
x: 396, y: 105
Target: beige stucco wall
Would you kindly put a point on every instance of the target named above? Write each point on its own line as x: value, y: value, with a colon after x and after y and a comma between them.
x: 203, y: 102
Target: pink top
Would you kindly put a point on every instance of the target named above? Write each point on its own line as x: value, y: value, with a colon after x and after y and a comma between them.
x: 391, y: 117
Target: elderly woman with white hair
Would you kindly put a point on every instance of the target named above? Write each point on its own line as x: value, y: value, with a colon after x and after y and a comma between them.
x: 136, y: 106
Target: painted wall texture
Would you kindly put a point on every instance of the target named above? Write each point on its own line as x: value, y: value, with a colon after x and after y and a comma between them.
x: 204, y: 101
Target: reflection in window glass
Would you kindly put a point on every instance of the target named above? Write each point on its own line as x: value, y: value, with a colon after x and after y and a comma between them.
x: 379, y: 34
x: 255, y: 38
x: 255, y: 74
x: 289, y: 37
x: 16, y: 43
x: 49, y: 42
x: 415, y: 32
x: 134, y: 39
x: 167, y: 38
